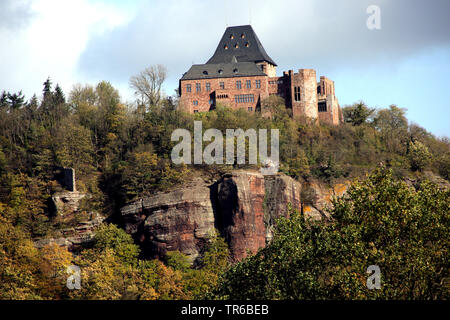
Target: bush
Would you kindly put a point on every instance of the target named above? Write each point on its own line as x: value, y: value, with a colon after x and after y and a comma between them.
x: 419, y: 156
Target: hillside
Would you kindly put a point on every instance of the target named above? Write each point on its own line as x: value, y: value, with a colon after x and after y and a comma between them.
x: 126, y: 181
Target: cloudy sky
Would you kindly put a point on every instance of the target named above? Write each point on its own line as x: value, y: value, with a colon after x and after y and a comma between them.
x: 406, y: 62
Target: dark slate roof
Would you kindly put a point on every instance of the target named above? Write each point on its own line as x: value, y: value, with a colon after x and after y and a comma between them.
x: 249, y: 48
x: 228, y: 70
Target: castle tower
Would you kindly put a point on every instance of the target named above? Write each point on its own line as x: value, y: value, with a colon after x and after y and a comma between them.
x: 328, y: 105
x: 304, y: 93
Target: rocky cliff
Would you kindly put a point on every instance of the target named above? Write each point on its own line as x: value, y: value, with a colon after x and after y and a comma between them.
x: 182, y: 219
x: 242, y: 205
x: 79, y: 225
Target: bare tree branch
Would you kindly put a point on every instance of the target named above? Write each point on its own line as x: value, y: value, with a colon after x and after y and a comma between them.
x: 148, y: 84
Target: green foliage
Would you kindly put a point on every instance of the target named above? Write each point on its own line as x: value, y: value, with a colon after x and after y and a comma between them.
x: 122, y: 152
x: 111, y: 237
x: 215, y: 260
x: 419, y: 156
x: 357, y: 114
x: 379, y: 222
x: 177, y: 261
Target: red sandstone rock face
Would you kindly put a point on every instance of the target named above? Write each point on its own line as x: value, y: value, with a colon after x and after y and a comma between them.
x: 241, y: 198
x: 179, y: 220
x: 243, y: 205
x: 281, y: 191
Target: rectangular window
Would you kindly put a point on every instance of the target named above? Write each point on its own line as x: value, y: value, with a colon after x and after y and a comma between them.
x: 322, y: 106
x: 222, y: 85
x: 238, y: 85
x: 188, y: 88
x: 250, y: 108
x: 198, y: 87
x: 244, y: 98
x: 248, y: 84
x: 297, y: 93
x: 258, y: 84
x: 195, y: 102
x: 208, y: 87
x: 318, y: 90
x: 195, y: 111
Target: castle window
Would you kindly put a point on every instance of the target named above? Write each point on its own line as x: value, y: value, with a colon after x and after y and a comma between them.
x: 231, y: 36
x: 205, y: 73
x: 220, y: 71
x: 247, y: 44
x: 258, y: 84
x: 242, y: 36
x: 248, y: 84
x: 238, y: 85
x: 208, y: 87
x: 297, y: 93
x: 198, y: 87
x: 188, y: 88
x: 250, y: 108
x: 235, y: 70
x: 318, y: 90
x: 225, y: 47
x: 195, y: 102
x: 195, y: 111
x: 236, y: 45
x: 222, y: 85
x: 322, y: 106
x: 244, y: 98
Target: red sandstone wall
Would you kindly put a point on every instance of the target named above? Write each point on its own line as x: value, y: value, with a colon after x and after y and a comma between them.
x: 307, y: 106
x: 203, y: 97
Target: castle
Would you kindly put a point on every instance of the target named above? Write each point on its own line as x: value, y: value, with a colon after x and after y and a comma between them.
x: 241, y: 74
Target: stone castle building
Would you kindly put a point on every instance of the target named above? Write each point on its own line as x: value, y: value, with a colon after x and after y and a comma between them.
x: 241, y: 74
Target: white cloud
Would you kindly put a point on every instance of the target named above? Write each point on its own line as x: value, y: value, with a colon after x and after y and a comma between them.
x: 51, y: 43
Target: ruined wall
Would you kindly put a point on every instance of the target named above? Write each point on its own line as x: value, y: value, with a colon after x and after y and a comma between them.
x: 326, y: 94
x: 66, y: 177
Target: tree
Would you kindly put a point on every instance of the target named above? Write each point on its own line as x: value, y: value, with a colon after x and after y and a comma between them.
x: 393, y: 125
x: 391, y: 119
x: 59, y: 97
x: 419, y: 156
x: 111, y: 237
x: 380, y: 221
x: 357, y: 114
x: 148, y: 84
x: 74, y: 147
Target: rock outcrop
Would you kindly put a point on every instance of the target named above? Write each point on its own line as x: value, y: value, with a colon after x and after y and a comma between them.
x: 182, y: 220
x: 68, y: 201
x: 74, y: 237
x: 243, y: 205
x: 281, y: 192
x: 241, y: 212
x: 81, y: 225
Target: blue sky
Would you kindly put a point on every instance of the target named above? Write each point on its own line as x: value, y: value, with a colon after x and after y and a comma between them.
x: 406, y: 63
